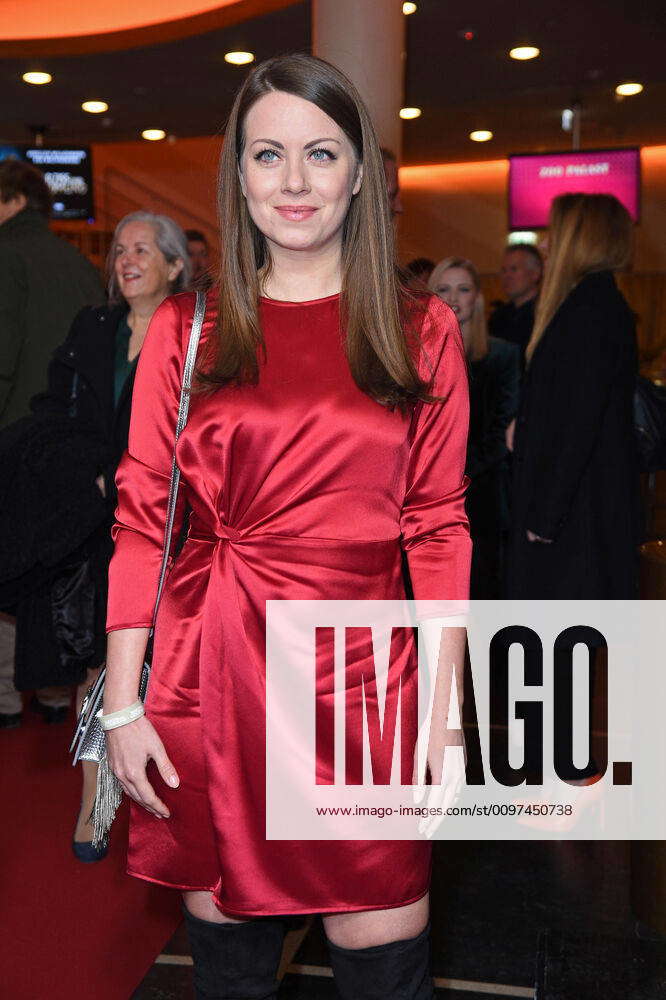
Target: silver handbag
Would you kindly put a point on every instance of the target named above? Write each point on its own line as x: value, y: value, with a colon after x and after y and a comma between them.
x: 89, y: 742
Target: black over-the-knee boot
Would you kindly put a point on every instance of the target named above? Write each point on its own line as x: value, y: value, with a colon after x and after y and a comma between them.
x: 396, y: 971
x: 235, y: 961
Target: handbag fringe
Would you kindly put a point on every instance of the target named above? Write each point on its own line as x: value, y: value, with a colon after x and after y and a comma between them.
x: 107, y: 799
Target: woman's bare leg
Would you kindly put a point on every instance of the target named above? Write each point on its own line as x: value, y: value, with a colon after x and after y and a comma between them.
x: 201, y: 905
x: 84, y: 829
x: 374, y: 927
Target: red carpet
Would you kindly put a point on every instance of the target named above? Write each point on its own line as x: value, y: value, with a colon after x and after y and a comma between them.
x: 69, y: 930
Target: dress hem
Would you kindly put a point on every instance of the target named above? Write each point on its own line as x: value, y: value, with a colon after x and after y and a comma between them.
x: 277, y: 911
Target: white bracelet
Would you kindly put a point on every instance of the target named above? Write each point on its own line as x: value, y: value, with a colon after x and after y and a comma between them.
x: 120, y: 718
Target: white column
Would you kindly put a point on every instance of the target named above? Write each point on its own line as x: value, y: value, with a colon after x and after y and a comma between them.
x: 366, y: 40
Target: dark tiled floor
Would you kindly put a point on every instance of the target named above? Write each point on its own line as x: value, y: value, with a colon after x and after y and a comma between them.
x: 491, y: 902
x: 316, y: 988
x: 178, y: 945
x: 165, y: 982
x: 565, y: 969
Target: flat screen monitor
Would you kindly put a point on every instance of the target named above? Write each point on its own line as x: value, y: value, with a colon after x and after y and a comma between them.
x: 68, y: 173
x: 536, y: 178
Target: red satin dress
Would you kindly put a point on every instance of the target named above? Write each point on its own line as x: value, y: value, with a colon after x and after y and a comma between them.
x: 300, y: 487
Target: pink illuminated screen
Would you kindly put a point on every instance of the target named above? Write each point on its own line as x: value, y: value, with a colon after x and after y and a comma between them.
x: 535, y: 180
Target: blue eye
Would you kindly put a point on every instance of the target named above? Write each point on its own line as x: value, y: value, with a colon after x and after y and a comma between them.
x: 265, y: 156
x: 321, y: 154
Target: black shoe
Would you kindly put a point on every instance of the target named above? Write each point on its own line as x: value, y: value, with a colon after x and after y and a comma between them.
x: 238, y: 961
x: 52, y: 715
x: 10, y: 720
x: 399, y: 970
x: 87, y: 852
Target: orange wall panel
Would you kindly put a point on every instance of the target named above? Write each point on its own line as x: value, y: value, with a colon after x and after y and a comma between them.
x: 176, y: 179
x: 454, y: 209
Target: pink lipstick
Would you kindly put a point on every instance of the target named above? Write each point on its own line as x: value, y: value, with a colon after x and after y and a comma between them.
x: 296, y: 213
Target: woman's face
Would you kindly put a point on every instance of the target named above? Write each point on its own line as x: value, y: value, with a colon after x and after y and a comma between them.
x: 298, y: 173
x: 142, y: 270
x: 456, y: 288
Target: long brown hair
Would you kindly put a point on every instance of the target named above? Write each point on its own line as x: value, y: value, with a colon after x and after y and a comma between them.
x: 478, y: 326
x: 374, y: 300
x: 586, y: 233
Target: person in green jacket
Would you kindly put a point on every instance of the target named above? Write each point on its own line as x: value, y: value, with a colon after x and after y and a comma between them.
x: 44, y: 283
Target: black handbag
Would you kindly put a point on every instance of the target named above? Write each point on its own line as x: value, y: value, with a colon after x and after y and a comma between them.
x: 89, y: 742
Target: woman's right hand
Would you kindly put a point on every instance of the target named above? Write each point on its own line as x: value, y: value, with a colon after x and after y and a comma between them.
x: 129, y: 748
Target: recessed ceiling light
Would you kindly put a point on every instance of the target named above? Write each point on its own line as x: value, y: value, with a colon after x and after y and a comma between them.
x: 409, y: 8
x: 481, y: 135
x: 628, y: 89
x: 523, y: 52
x: 239, y: 58
x: 95, y: 107
x: 410, y: 112
x: 37, y: 77
x: 153, y: 134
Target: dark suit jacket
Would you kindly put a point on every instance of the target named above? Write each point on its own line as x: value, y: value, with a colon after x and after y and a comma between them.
x: 575, y: 471
x: 44, y: 282
x: 81, y: 385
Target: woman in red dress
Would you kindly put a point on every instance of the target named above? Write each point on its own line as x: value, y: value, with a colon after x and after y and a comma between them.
x: 326, y: 435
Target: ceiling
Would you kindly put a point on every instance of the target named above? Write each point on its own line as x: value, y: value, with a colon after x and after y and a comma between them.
x: 30, y: 19
x: 186, y: 88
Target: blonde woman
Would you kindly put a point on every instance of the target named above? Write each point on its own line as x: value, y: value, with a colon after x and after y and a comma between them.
x: 575, y: 496
x: 494, y: 370
x: 575, y: 473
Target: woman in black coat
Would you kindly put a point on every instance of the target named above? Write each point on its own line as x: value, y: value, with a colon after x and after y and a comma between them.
x: 575, y: 530
x: 575, y: 520
x: 91, y: 378
x: 494, y: 377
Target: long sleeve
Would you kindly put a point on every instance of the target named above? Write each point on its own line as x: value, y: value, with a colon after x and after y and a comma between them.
x: 434, y: 525
x: 144, y: 474
x: 13, y: 294
x: 572, y: 406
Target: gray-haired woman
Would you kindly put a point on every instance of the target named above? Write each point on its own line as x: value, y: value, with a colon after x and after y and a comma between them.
x: 91, y: 379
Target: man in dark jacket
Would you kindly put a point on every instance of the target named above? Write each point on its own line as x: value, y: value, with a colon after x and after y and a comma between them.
x: 522, y: 269
x: 44, y: 283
